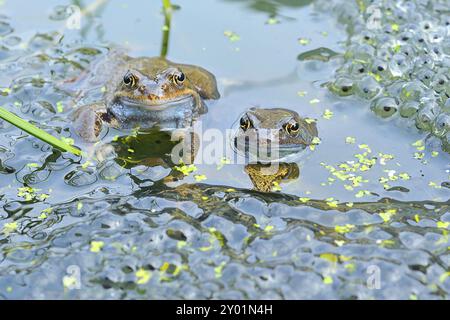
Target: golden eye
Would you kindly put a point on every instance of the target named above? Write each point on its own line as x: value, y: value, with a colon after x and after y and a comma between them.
x: 129, y: 79
x: 245, y: 123
x: 179, y: 78
x: 292, y: 128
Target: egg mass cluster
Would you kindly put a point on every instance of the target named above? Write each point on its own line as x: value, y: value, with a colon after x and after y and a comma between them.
x: 398, y: 58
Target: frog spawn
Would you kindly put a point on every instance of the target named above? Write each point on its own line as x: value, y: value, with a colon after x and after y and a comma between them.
x: 398, y: 58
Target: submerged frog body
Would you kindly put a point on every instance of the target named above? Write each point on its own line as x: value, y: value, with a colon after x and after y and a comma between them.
x: 265, y: 181
x: 273, y: 134
x: 144, y: 93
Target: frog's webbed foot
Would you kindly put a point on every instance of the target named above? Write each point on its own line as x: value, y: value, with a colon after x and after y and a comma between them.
x: 88, y: 121
x: 200, y: 106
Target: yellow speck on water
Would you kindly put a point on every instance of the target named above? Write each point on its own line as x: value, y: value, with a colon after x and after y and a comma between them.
x: 331, y: 202
x: 350, y: 140
x: 304, y: 41
x: 276, y: 186
x: 301, y: 93
x: 186, y: 170
x: 9, y: 227
x: 218, y: 270
x: 396, y: 48
x: 328, y: 280
x: 69, y: 281
x: 304, y: 200
x: 444, y: 276
x: 404, y: 176
x: 96, y: 246
x: 143, y: 276
x: 316, y: 140
x: 344, y: 229
x: 33, y: 165
x: 339, y: 243
x: 272, y: 21
x: 199, y: 177
x: 314, y: 101
x: 434, y: 154
x: 181, y: 244
x: 79, y: 206
x: 232, y: 36
x: 417, y: 218
x: 376, y: 76
x: 433, y: 184
x: 327, y: 114
x: 164, y: 267
x: 362, y: 193
x: 59, y: 107
x: 442, y: 224
x: 331, y: 257
x: 386, y: 215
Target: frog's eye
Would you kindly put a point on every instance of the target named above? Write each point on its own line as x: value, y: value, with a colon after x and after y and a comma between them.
x: 292, y: 128
x: 245, y: 123
x: 179, y: 78
x: 129, y: 79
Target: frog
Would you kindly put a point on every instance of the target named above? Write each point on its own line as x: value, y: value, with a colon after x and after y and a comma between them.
x: 273, y: 134
x: 142, y: 92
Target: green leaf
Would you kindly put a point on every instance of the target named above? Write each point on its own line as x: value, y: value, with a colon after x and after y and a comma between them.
x: 38, y: 133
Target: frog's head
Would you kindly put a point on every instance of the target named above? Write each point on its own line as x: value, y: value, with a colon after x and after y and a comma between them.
x: 168, y: 87
x: 272, y: 134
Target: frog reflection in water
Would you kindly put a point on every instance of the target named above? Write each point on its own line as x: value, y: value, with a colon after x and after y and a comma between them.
x: 145, y: 92
x: 269, y: 136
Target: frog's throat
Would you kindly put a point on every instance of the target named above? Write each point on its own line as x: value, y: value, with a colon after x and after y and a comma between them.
x: 156, y: 104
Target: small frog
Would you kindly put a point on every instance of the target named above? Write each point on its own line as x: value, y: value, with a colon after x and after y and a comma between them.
x: 273, y: 134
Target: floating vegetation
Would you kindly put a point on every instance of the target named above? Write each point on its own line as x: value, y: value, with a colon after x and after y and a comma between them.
x: 232, y: 36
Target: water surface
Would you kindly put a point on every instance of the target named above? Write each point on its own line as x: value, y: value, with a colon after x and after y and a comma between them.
x: 120, y: 232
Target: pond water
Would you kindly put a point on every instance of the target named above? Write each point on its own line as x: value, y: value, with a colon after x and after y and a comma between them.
x: 364, y: 215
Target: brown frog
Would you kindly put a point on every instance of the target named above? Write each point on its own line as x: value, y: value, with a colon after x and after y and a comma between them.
x: 143, y: 92
x: 273, y: 134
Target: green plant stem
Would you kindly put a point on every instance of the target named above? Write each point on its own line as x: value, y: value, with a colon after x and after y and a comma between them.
x: 38, y: 133
x: 167, y: 9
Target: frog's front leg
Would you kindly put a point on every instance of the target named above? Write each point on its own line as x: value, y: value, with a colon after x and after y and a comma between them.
x: 88, y: 121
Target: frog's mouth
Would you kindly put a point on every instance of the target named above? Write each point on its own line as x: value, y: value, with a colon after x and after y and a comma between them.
x: 257, y: 149
x: 156, y: 103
